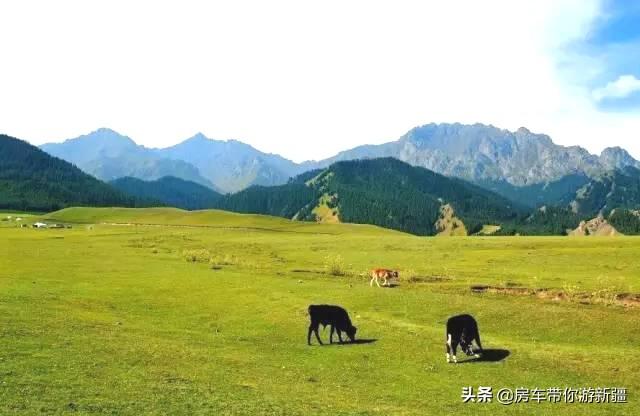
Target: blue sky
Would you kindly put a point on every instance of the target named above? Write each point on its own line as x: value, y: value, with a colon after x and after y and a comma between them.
x: 309, y: 79
x: 614, y: 42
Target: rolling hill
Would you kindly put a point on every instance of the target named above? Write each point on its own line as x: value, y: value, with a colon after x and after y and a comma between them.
x: 30, y: 179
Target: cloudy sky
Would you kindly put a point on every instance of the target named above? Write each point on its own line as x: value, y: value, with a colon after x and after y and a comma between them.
x: 306, y: 79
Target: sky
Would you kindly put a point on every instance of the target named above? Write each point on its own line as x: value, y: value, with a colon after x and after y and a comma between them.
x: 307, y: 79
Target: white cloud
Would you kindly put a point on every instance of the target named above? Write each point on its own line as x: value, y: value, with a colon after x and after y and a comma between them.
x: 622, y: 87
x: 302, y: 79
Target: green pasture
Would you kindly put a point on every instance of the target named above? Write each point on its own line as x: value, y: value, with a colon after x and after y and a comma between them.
x: 163, y: 311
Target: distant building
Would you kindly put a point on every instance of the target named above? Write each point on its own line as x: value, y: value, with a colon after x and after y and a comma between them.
x: 39, y: 225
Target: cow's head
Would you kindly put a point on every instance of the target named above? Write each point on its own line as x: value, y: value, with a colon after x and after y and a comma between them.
x: 467, y: 347
x: 394, y: 274
x: 351, y: 332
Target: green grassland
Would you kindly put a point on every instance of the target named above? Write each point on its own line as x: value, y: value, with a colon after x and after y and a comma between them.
x: 163, y: 311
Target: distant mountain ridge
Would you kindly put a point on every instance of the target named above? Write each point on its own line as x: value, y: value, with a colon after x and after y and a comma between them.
x: 491, y: 157
x: 223, y: 166
x: 485, y: 154
x: 232, y: 165
x: 108, y: 155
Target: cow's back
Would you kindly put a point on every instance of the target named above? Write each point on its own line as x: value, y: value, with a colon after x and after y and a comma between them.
x: 461, y: 322
x: 329, y: 314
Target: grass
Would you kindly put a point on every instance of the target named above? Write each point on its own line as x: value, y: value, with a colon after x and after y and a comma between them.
x: 9, y: 219
x: 115, y: 319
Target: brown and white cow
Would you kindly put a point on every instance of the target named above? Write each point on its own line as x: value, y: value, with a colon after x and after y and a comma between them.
x: 384, y: 274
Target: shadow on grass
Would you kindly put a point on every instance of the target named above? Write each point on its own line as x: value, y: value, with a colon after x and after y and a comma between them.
x: 356, y: 342
x: 388, y: 286
x: 489, y: 356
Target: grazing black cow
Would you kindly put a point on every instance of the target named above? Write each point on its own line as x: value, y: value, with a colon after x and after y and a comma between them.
x: 332, y: 315
x: 462, y: 330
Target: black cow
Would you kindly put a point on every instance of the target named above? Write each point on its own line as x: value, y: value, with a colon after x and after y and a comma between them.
x: 332, y: 315
x: 462, y: 330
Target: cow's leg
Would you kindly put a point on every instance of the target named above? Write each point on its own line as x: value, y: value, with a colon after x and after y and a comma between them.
x: 385, y: 282
x: 313, y: 328
x: 340, y: 336
x: 318, y: 335
x: 378, y: 281
x: 331, y: 334
x: 448, y: 343
x: 373, y: 277
x: 479, y: 346
x: 309, y: 334
x: 454, y: 347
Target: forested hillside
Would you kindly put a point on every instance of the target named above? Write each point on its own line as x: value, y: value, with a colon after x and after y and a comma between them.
x: 384, y: 192
x: 30, y: 179
x: 172, y: 191
x: 393, y: 194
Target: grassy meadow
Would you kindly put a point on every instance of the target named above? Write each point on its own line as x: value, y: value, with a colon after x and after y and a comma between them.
x: 163, y: 311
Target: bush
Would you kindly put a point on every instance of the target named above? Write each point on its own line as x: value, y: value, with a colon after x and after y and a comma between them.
x: 334, y: 265
x: 197, y: 256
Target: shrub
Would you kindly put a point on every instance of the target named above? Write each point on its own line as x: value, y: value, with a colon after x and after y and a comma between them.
x: 571, y: 292
x: 606, y: 296
x: 334, y: 265
x: 197, y: 256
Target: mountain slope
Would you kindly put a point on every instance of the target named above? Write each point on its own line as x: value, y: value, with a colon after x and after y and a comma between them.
x: 232, y: 165
x: 618, y: 189
x: 556, y: 193
x: 30, y: 179
x: 172, y: 191
x: 384, y: 192
x: 108, y: 155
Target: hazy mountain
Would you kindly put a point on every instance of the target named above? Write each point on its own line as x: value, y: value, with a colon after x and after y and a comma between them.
x: 30, y: 179
x: 486, y: 154
x: 232, y: 165
x: 172, y: 191
x: 224, y: 166
x: 109, y: 155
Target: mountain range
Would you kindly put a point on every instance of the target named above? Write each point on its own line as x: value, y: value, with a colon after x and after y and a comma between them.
x: 222, y: 165
x: 486, y: 154
x: 381, y: 191
x: 497, y: 159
